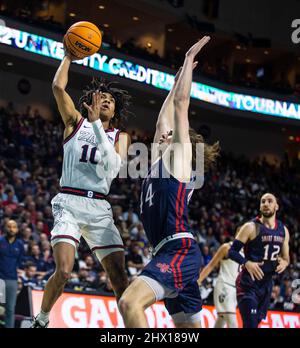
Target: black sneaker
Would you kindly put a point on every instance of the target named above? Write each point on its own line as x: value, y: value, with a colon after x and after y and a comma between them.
x: 38, y: 324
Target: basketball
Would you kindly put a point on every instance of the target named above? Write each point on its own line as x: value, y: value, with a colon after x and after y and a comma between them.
x: 83, y: 39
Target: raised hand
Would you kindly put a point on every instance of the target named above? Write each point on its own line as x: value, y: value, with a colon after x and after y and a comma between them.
x: 197, y: 47
x: 94, y: 109
x: 68, y: 53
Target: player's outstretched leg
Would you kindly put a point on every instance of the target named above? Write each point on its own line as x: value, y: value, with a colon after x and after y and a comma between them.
x: 135, y: 300
x: 114, y: 266
x: 64, y: 256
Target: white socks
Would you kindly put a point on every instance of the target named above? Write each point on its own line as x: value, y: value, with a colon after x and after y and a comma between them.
x: 43, y: 317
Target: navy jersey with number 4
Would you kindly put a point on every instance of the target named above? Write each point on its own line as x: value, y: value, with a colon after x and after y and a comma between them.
x: 164, y: 202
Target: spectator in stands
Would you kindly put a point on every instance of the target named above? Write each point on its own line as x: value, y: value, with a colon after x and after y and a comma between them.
x: 24, y: 173
x: 117, y: 213
x: 10, y: 200
x: 130, y: 216
x: 134, y: 261
x: 211, y: 240
x: 26, y: 237
x: 105, y: 287
x: 276, y: 298
x: 206, y: 255
x: 146, y: 256
x: 11, y: 255
x: 29, y: 277
x: 36, y: 257
x: 288, y: 303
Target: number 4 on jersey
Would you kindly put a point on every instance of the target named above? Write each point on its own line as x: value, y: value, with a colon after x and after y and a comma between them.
x: 149, y: 197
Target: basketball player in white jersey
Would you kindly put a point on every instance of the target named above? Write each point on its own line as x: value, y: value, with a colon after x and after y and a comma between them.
x: 225, y: 289
x: 93, y: 151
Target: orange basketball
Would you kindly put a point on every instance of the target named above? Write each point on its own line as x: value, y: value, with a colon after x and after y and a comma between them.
x: 83, y: 39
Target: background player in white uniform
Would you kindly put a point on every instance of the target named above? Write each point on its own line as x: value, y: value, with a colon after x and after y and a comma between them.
x: 225, y: 289
x: 92, y: 155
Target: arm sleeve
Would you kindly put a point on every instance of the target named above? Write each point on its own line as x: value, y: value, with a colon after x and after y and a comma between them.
x: 234, y: 252
x: 110, y: 160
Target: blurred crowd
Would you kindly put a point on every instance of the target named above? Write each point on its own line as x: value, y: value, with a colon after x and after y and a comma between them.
x: 30, y: 168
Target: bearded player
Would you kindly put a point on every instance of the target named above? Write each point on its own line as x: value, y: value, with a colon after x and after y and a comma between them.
x: 93, y: 151
x: 266, y: 245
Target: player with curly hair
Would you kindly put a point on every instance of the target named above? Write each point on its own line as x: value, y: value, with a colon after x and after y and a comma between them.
x: 93, y: 151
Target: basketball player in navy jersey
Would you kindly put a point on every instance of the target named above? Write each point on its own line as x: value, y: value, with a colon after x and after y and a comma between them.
x: 92, y: 158
x: 266, y: 246
x: 174, y: 269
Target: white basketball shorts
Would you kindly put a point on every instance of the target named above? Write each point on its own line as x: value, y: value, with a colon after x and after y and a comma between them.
x: 225, y: 297
x: 76, y: 216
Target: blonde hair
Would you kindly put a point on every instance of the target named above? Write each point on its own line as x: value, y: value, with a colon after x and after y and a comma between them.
x: 211, y: 152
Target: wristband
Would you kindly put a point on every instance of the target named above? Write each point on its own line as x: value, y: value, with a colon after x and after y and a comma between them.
x: 234, y: 252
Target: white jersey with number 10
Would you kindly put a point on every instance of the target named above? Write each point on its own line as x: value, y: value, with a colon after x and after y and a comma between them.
x: 82, y: 159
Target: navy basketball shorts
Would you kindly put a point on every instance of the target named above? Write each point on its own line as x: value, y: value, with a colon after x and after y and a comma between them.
x: 253, y: 298
x: 176, y: 266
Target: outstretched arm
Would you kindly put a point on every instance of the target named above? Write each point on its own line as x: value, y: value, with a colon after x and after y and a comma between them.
x: 182, y: 93
x: 219, y: 256
x: 66, y: 107
x: 180, y: 156
x: 165, y: 121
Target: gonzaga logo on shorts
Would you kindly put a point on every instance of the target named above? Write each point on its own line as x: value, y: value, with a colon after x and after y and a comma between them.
x: 57, y: 210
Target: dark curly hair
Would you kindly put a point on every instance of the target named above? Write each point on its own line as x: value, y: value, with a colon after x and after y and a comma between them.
x: 122, y: 100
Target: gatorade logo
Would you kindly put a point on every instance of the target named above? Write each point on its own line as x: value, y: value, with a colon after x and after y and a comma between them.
x: 82, y: 46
